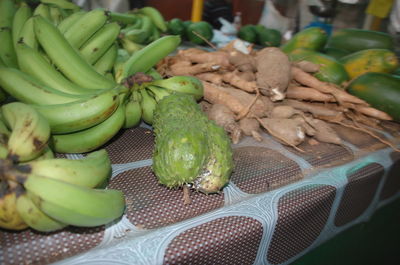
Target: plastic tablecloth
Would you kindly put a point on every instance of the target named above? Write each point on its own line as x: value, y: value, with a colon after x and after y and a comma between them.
x: 279, y: 204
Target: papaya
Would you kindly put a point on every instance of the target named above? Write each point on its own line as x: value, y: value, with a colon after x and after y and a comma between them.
x: 248, y: 33
x: 176, y: 27
x: 268, y: 37
x: 330, y: 69
x: 380, y: 90
x: 203, y: 29
x: 370, y: 60
x: 353, y: 40
x: 313, y: 38
x: 335, y: 53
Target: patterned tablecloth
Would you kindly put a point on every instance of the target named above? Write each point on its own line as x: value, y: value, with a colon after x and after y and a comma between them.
x: 279, y: 205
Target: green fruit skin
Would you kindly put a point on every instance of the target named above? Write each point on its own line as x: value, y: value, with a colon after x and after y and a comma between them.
x: 313, y: 38
x: 248, y: 33
x: 330, y: 69
x: 353, y: 40
x: 380, y: 90
x: 335, y: 53
x: 268, y: 37
x: 176, y: 27
x: 203, y: 28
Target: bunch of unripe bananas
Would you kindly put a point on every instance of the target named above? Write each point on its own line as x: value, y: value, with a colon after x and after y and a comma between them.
x: 71, y: 66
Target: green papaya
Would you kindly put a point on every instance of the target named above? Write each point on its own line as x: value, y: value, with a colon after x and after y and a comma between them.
x: 352, y: 40
x: 380, y: 90
x: 248, y: 33
x: 313, y: 38
x: 330, y: 69
x: 201, y: 28
x: 176, y: 27
x: 370, y: 60
x: 335, y: 53
x: 268, y: 37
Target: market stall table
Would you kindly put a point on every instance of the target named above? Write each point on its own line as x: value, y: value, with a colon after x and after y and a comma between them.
x: 279, y: 205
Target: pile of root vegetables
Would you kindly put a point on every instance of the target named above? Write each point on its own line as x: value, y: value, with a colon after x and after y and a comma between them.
x: 247, y: 91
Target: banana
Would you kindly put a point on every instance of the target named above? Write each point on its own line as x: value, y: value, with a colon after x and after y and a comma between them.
x: 9, y: 216
x: 90, y: 171
x: 135, y: 35
x: 133, y: 110
x: 122, y: 57
x: 75, y: 205
x: 146, y: 26
x: 55, y: 14
x: 81, y: 114
x: 148, y: 104
x: 34, y: 64
x: 66, y: 58
x: 183, y: 84
x: 136, y: 25
x: 99, y: 43
x: 47, y: 154
x: 123, y: 18
x: 91, y: 138
x: 28, y: 90
x: 3, y: 150
x: 130, y: 46
x: 158, y: 93
x: 7, y: 52
x: 3, y: 95
x: 154, y: 74
x: 155, y: 16
x: 27, y: 34
x: 66, y: 23
x: 105, y: 63
x: 34, y: 217
x: 148, y: 56
x: 79, y: 32
x: 155, y: 34
x: 23, y: 13
x: 30, y: 131
x: 7, y: 12
x: 63, y: 4
x: 42, y: 10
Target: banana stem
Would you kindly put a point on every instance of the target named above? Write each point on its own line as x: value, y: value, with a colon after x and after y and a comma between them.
x: 8, y: 172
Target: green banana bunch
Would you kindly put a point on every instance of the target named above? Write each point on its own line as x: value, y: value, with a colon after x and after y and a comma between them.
x: 47, y: 154
x: 9, y: 216
x: 158, y: 93
x: 34, y: 64
x: 7, y: 52
x: 67, y: 22
x: 123, y: 18
x: 81, y: 114
x: 154, y: 74
x: 105, y: 63
x: 148, y: 56
x: 66, y: 58
x: 34, y: 217
x: 62, y: 4
x: 28, y: 90
x: 133, y: 110
x: 118, y: 68
x: 99, y: 43
x: 148, y: 104
x: 184, y: 84
x: 92, y: 138
x: 56, y: 15
x: 23, y: 13
x: 43, y: 10
x: 30, y: 131
x: 155, y: 16
x: 27, y: 34
x: 130, y: 46
x: 7, y: 12
x: 80, y: 31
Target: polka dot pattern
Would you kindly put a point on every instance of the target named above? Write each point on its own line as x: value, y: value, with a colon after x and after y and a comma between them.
x: 302, y: 214
x: 151, y: 205
x: 323, y: 154
x: 358, y: 193
x: 30, y: 247
x: 228, y: 240
x: 131, y: 145
x: 259, y: 169
x: 392, y: 183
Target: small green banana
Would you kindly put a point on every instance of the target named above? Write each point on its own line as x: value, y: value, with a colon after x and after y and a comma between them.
x: 122, y: 57
x: 183, y: 84
x: 66, y: 23
x: 92, y: 138
x: 72, y: 204
x: 133, y: 110
x: 123, y: 18
x: 155, y: 34
x: 136, y: 25
x: 27, y: 89
x: 150, y: 55
x: 66, y: 58
x: 99, y: 43
x: 105, y: 63
x: 154, y: 73
x: 146, y: 26
x: 7, y: 51
x: 47, y: 154
x: 34, y: 217
x: 63, y: 4
x: 80, y: 114
x: 135, y: 35
x: 79, y: 32
x: 89, y: 171
x: 33, y: 63
x: 158, y: 92
x: 23, y: 13
x: 30, y: 131
x: 42, y: 10
x: 7, y: 12
x: 130, y: 46
x: 55, y: 14
x: 27, y: 34
x: 148, y: 105
x: 155, y: 16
